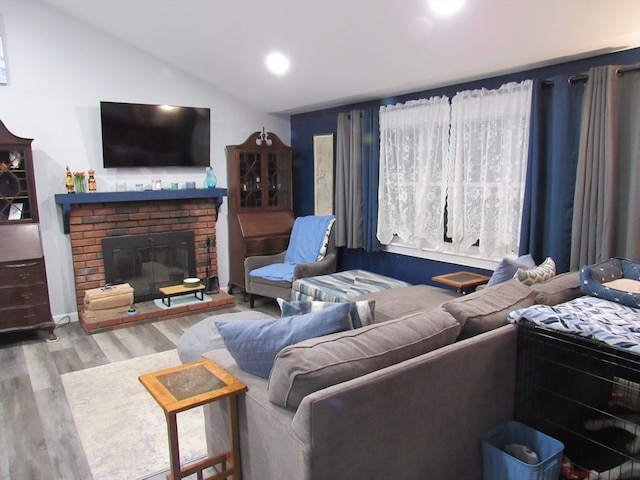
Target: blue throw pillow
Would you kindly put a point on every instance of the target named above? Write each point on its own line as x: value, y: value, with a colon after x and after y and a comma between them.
x: 255, y: 344
x: 360, y: 312
x: 508, y: 267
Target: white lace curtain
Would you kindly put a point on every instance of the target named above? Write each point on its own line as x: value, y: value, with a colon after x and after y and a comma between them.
x: 411, y: 193
x: 487, y: 167
x: 469, y: 158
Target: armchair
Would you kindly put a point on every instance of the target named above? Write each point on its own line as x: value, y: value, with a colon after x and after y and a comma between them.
x: 306, y: 256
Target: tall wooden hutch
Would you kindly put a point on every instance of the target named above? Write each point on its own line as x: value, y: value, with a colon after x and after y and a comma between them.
x: 24, y: 297
x: 260, y: 200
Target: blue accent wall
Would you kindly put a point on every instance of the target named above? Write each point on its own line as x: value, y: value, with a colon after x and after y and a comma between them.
x: 305, y: 126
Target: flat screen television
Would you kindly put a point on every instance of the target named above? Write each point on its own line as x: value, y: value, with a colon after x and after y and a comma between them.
x: 138, y: 135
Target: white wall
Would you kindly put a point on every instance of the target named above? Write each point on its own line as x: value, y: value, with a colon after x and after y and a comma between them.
x: 58, y: 72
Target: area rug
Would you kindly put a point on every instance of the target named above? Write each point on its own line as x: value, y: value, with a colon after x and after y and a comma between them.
x: 122, y: 429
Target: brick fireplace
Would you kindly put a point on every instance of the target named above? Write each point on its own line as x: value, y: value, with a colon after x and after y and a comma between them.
x: 89, y: 218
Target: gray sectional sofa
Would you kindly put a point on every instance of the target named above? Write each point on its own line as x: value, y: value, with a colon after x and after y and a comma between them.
x: 407, y: 397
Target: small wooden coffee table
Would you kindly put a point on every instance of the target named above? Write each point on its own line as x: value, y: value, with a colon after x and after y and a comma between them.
x: 461, y: 280
x: 180, y: 388
x: 174, y: 290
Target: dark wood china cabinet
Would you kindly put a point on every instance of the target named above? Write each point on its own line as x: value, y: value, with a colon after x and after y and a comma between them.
x: 24, y: 297
x: 260, y: 200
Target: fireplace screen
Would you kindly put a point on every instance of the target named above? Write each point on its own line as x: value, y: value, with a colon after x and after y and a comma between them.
x: 149, y: 262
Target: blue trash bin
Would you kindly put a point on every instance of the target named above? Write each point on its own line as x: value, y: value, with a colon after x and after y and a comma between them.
x: 499, y: 465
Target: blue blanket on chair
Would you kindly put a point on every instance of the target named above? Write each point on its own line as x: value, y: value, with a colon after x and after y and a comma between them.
x: 307, y: 237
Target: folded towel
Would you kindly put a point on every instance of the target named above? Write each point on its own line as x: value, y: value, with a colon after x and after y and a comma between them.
x: 276, y: 271
x: 306, y: 239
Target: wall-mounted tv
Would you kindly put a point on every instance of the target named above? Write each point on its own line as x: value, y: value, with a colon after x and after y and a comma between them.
x: 138, y: 135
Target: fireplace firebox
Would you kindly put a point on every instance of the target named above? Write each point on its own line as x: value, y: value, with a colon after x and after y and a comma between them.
x: 150, y: 261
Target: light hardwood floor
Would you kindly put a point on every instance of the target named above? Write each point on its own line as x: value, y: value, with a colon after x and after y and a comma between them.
x: 38, y: 439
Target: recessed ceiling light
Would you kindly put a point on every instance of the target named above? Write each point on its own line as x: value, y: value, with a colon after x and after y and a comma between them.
x: 277, y: 63
x: 445, y: 7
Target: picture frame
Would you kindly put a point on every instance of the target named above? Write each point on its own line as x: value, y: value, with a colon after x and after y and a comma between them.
x: 323, y: 174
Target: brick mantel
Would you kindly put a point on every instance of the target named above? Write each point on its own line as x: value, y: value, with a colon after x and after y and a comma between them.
x: 65, y: 200
x: 94, y: 216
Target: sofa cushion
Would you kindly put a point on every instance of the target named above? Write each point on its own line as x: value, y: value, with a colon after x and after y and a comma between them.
x: 204, y: 336
x: 488, y: 308
x: 318, y: 363
x: 539, y: 274
x: 398, y: 302
x: 255, y: 344
x: 508, y: 267
x: 361, y: 313
x: 559, y: 289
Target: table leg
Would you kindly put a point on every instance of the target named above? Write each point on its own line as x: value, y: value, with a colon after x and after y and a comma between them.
x: 234, y: 436
x: 174, y: 452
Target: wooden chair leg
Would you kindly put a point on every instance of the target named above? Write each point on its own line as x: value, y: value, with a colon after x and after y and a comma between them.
x: 251, y: 300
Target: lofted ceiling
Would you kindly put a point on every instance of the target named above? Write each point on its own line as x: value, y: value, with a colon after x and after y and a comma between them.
x: 346, y: 51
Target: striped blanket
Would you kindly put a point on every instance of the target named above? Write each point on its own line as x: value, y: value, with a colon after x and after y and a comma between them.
x: 341, y: 286
x: 609, y: 322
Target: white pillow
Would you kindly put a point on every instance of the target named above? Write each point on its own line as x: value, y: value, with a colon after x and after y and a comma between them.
x: 543, y: 272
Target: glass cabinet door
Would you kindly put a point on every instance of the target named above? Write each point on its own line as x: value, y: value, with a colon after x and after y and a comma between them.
x: 14, y: 186
x: 278, y: 167
x: 250, y: 164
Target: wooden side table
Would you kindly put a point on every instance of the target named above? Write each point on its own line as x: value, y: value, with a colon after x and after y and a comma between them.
x: 461, y: 280
x: 174, y: 290
x: 180, y: 388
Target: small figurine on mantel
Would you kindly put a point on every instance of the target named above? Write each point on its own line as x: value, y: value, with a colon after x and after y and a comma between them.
x: 92, y: 181
x: 69, y: 181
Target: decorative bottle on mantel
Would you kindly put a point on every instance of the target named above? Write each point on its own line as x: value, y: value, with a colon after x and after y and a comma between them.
x: 210, y: 179
x: 92, y: 181
x: 69, y: 182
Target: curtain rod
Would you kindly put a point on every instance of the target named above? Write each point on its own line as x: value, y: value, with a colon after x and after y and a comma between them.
x: 585, y: 76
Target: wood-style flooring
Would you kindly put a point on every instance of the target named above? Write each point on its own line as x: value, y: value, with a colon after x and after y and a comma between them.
x: 38, y: 439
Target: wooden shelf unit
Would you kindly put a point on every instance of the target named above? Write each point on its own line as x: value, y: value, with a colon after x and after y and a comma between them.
x: 260, y: 201
x: 24, y: 296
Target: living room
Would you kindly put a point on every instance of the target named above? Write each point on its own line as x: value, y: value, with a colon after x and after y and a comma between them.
x: 66, y: 130
x: 60, y: 68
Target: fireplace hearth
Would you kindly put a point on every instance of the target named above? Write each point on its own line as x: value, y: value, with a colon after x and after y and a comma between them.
x: 150, y: 261
x: 94, y: 217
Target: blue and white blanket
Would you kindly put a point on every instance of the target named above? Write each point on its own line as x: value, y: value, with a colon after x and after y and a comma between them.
x: 612, y: 323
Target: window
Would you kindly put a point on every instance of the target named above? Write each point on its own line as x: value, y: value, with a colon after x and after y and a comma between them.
x: 469, y: 158
x: 411, y: 192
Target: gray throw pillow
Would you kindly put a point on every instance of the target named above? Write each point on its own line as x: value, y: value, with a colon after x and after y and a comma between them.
x: 487, y: 309
x: 318, y: 363
x: 559, y: 289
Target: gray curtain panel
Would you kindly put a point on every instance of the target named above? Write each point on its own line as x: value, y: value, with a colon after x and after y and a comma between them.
x: 348, y: 193
x: 606, y: 218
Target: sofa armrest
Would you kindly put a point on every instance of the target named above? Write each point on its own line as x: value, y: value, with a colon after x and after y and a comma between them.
x: 257, y: 261
x: 312, y: 269
x: 269, y: 448
x: 422, y: 418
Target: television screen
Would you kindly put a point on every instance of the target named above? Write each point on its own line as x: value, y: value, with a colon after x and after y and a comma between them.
x: 137, y: 135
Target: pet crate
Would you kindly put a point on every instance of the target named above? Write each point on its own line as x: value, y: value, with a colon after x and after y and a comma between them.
x: 584, y: 393
x: 498, y: 464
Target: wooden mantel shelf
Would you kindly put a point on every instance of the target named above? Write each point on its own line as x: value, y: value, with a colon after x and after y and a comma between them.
x: 65, y: 200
